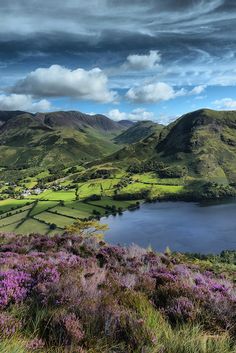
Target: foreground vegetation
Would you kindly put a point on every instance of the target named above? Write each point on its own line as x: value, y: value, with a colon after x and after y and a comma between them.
x: 75, y: 293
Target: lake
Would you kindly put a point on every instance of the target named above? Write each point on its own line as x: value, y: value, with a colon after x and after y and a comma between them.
x: 182, y: 226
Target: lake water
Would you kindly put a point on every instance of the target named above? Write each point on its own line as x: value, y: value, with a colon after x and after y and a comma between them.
x: 182, y: 226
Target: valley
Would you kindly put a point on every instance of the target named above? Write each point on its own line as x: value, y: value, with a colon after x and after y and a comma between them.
x: 88, y: 167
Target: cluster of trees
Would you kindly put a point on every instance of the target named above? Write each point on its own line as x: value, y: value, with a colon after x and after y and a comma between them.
x: 101, y: 173
x: 57, y: 172
x: 95, y: 174
x: 140, y: 195
x: 213, y: 190
x: 125, y: 181
x: 163, y: 170
x: 93, y: 197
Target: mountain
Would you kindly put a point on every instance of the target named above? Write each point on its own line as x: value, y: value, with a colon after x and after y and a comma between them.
x: 71, y: 119
x: 137, y: 132
x: 203, y: 142
x: 6, y: 115
x: 126, y: 123
x: 58, y: 137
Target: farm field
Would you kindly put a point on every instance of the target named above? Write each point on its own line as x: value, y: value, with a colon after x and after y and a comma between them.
x: 40, y: 215
x: 64, y: 201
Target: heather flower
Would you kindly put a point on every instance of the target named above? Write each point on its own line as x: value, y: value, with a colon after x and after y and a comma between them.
x: 73, y: 327
x: 35, y: 344
x: 8, y: 325
x: 14, y: 286
x: 48, y: 274
x: 181, y: 309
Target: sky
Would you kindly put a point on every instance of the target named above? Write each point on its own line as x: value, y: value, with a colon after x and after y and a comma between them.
x: 136, y: 60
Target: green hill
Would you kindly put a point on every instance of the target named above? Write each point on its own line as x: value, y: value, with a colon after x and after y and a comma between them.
x: 137, y: 132
x: 59, y: 137
x: 203, y: 142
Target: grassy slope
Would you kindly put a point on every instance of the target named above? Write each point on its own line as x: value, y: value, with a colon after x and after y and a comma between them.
x: 25, y: 140
x: 138, y: 132
x: 203, y: 141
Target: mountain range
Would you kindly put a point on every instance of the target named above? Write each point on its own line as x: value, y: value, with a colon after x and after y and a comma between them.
x: 203, y: 142
x: 66, y: 137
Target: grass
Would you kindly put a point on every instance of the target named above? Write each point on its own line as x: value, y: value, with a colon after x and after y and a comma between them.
x: 9, y: 204
x: 66, y: 211
x: 85, y: 209
x: 30, y: 225
x: 49, y: 218
x: 13, y: 345
x: 167, y: 189
x: 57, y: 195
x: 107, y: 201
x: 13, y: 219
x: 42, y: 206
x: 15, y: 211
x: 47, y: 209
x: 153, y: 179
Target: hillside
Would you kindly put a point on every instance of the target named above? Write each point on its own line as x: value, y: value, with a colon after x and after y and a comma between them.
x: 59, y: 137
x: 203, y: 141
x: 137, y: 132
x: 71, y: 293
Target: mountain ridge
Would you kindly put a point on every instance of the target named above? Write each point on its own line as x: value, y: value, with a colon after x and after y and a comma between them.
x: 203, y: 142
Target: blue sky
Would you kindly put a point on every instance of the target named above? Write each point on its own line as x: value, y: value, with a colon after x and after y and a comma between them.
x: 129, y: 60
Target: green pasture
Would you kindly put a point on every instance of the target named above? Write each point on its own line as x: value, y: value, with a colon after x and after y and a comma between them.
x: 17, y: 217
x: 59, y: 220
x: 42, y: 206
x: 10, y: 204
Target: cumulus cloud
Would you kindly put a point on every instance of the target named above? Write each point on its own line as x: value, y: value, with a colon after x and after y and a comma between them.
x: 225, y: 103
x: 23, y: 102
x: 198, y: 89
x: 153, y: 93
x: 138, y: 114
x: 143, y: 62
x: 58, y: 81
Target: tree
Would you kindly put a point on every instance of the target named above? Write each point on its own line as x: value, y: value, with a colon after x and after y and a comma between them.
x: 87, y: 229
x: 53, y: 226
x: 77, y: 192
x: 102, y: 190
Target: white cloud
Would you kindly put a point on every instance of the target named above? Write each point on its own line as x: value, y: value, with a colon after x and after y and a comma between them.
x: 58, y: 81
x: 138, y: 114
x: 143, y: 62
x: 153, y: 93
x: 198, y: 89
x: 23, y: 102
x: 225, y: 103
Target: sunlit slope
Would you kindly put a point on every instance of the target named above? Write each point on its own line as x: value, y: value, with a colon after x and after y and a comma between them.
x: 203, y: 141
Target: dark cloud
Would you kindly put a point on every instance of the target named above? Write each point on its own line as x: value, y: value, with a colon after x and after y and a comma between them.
x: 191, y: 35
x: 58, y: 27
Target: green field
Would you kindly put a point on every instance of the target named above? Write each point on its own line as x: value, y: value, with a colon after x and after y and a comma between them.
x: 52, y: 210
x: 40, y: 214
x: 15, y: 218
x: 42, y: 206
x: 10, y: 204
x: 50, y: 218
